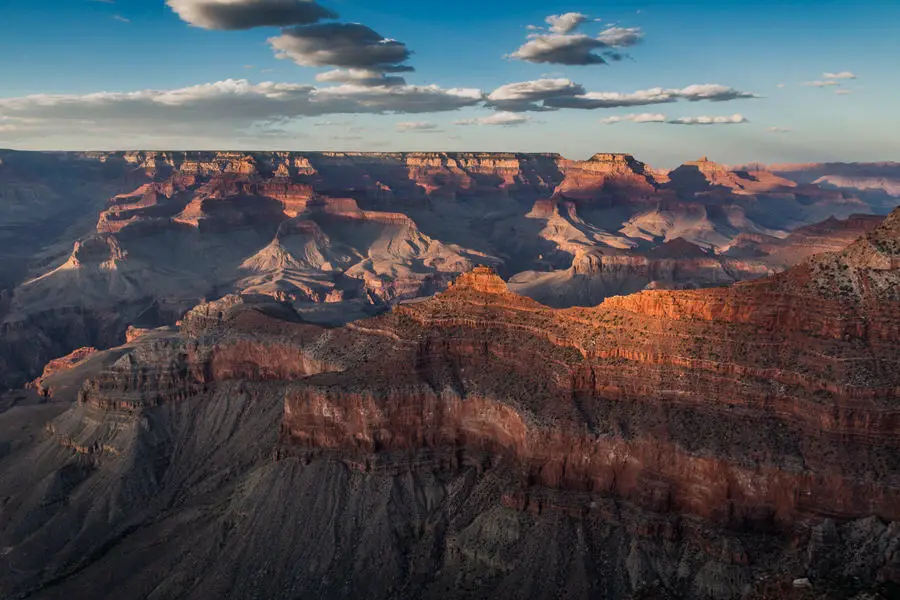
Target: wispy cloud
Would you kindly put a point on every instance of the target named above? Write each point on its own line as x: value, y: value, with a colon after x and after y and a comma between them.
x: 692, y: 93
x: 778, y: 130
x: 661, y: 118
x: 408, y: 126
x: 636, y: 118
x: 843, y: 92
x: 732, y: 120
x: 503, y: 119
x: 820, y: 84
x: 121, y: 19
x: 840, y: 75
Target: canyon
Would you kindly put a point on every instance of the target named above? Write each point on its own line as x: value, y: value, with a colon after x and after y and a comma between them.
x: 433, y: 375
x: 96, y: 242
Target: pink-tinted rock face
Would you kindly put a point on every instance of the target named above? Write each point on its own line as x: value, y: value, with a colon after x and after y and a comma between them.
x: 767, y: 403
x: 59, y: 365
x: 715, y: 442
x: 343, y: 235
x: 646, y: 397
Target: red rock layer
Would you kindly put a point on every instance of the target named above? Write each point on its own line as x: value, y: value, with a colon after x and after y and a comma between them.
x: 58, y: 365
x: 763, y: 404
x: 767, y: 403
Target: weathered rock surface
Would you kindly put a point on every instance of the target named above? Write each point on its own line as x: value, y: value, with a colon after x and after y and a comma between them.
x: 347, y: 235
x: 58, y: 365
x: 717, y: 443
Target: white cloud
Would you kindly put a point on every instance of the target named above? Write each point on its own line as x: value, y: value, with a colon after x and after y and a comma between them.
x: 560, y: 45
x: 713, y: 92
x: 594, y: 100
x: 661, y: 118
x: 398, y: 99
x: 406, y: 126
x: 843, y: 92
x: 360, y: 77
x: 621, y: 36
x: 778, y: 130
x: 212, y: 109
x: 566, y: 23
x: 524, y: 95
x: 506, y: 119
x: 732, y: 120
x: 840, y: 75
x: 636, y: 118
x: 536, y: 90
x: 692, y: 93
x: 820, y: 84
x: 247, y: 14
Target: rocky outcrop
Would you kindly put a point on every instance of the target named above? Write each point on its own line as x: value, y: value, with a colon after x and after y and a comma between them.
x: 343, y: 235
x: 712, y: 443
x: 464, y: 440
x: 831, y: 235
x: 534, y: 378
x: 608, y: 178
x: 601, y: 400
x: 58, y: 365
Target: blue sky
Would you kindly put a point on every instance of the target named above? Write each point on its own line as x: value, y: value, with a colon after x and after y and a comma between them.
x: 74, y: 49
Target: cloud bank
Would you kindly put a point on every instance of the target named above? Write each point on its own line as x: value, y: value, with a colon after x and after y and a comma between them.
x: 224, y: 106
x: 237, y: 104
x: 364, y: 79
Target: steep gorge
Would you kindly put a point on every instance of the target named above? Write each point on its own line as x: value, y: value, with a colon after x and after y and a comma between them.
x: 707, y: 443
x: 144, y: 236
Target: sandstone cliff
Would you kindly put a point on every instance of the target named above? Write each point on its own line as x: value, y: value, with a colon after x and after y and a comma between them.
x: 346, y: 235
x: 695, y: 444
